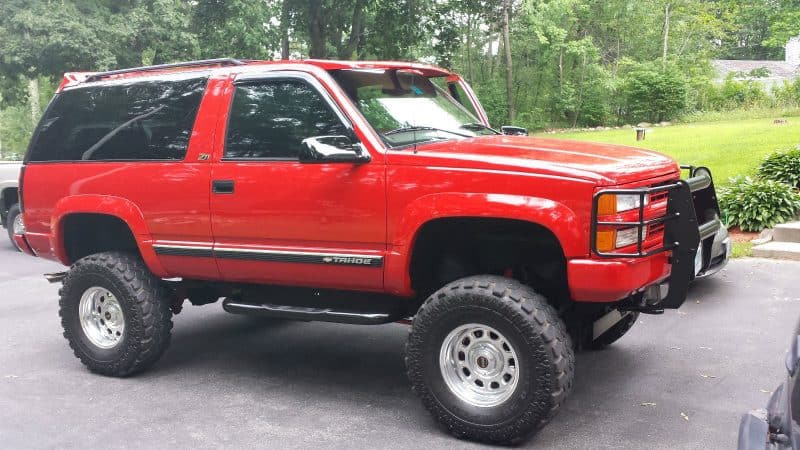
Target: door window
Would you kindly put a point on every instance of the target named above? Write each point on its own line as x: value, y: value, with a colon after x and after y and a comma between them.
x: 270, y: 118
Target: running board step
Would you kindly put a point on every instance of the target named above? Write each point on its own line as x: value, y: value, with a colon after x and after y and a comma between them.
x: 311, y: 313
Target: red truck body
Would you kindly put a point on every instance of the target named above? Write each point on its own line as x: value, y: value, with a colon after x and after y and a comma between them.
x: 374, y: 209
x: 363, y: 193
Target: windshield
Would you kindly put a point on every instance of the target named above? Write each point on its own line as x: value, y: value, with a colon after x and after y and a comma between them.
x: 405, y: 107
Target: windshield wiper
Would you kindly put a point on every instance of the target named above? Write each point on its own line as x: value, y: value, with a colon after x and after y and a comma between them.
x: 422, y: 128
x: 475, y: 126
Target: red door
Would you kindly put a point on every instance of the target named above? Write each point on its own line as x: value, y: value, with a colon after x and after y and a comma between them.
x: 276, y: 220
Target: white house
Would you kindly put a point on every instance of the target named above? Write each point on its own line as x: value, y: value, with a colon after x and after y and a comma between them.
x: 769, y: 73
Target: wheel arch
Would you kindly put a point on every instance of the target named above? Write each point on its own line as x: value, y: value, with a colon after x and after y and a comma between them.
x: 549, y: 217
x: 99, y: 210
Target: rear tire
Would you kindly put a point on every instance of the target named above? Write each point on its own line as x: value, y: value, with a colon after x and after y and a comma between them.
x: 11, y: 218
x: 115, y: 314
x: 490, y: 359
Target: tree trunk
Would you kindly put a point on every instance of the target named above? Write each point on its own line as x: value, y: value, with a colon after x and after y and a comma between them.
x: 469, y: 47
x: 509, y: 70
x: 666, y: 36
x: 347, y: 49
x: 285, y: 30
x: 561, y: 70
x: 33, y: 99
x: 316, y: 30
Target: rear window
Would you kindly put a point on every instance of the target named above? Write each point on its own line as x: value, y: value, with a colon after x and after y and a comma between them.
x: 135, y: 120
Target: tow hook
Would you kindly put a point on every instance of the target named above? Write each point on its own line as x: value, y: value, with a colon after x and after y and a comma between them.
x: 654, y: 293
x: 55, y: 277
x: 647, y: 302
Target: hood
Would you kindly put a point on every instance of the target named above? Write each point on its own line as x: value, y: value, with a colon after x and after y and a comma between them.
x: 604, y: 164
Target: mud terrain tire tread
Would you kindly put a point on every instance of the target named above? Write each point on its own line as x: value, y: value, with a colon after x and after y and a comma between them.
x: 539, y: 326
x: 143, y: 299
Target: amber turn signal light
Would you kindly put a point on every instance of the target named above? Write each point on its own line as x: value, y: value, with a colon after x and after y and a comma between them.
x: 607, y: 205
x: 605, y: 240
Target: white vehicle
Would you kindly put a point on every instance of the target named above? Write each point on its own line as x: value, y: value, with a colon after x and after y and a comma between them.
x: 9, y: 198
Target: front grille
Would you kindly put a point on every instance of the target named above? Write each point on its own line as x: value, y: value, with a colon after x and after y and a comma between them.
x: 658, y: 196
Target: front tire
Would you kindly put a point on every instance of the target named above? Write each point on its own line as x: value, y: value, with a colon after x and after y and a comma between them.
x: 13, y: 224
x: 490, y: 359
x: 115, y: 314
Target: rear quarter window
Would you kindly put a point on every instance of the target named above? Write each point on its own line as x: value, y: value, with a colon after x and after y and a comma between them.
x: 149, y: 119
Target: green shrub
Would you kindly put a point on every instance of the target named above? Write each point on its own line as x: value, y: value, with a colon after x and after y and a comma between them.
x: 16, y: 128
x: 741, y: 94
x: 755, y: 204
x: 783, y: 166
x: 653, y: 95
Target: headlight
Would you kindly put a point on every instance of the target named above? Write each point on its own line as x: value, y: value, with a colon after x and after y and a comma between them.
x: 629, y: 236
x: 608, y: 240
x: 609, y: 204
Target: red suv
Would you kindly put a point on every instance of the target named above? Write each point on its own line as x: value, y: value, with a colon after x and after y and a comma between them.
x: 356, y: 192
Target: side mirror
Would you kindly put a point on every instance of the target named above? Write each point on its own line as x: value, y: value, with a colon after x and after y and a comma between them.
x: 514, y: 131
x: 327, y: 149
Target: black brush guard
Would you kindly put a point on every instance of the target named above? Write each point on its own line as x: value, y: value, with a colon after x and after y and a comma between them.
x: 686, y: 201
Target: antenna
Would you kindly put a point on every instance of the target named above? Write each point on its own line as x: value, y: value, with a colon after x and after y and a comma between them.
x: 414, y: 125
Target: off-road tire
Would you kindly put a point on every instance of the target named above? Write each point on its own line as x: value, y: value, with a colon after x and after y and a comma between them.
x: 143, y: 300
x: 13, y: 212
x: 612, y: 334
x: 538, y: 335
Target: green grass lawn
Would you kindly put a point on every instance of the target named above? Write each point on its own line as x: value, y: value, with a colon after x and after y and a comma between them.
x: 728, y: 148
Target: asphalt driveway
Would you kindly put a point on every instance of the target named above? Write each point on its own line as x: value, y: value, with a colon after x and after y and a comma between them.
x: 679, y: 380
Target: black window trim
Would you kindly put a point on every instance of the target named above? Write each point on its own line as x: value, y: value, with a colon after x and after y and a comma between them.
x: 278, y: 75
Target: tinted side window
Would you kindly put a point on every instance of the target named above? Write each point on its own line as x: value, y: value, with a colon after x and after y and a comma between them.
x: 269, y: 119
x: 139, y: 120
x: 461, y: 97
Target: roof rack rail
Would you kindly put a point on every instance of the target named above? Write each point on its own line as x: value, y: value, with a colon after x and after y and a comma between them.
x: 200, y: 63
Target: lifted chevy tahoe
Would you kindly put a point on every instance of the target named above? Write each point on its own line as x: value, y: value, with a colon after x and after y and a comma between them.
x: 356, y: 192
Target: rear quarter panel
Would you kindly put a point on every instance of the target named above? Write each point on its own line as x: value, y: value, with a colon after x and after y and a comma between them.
x: 159, y: 200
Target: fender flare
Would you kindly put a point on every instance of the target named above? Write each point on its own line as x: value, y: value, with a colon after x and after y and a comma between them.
x: 553, y: 216
x: 119, y: 207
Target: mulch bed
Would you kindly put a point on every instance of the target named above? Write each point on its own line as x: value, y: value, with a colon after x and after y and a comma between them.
x: 738, y: 235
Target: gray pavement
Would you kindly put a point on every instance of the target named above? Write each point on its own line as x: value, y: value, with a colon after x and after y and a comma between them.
x: 680, y: 380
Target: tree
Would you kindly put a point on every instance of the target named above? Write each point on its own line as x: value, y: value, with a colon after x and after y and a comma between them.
x: 235, y: 28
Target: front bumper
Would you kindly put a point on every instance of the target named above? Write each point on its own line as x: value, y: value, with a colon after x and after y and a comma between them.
x: 621, y: 278
x: 691, y: 222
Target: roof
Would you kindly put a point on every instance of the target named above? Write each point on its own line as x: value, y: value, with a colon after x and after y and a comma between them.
x: 777, y: 69
x: 235, y: 65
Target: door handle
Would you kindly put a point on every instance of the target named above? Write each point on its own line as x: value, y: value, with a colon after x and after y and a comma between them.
x: 222, y: 186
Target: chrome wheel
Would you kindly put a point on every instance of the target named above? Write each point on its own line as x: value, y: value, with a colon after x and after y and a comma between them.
x: 479, y: 365
x: 101, y: 317
x: 18, y: 226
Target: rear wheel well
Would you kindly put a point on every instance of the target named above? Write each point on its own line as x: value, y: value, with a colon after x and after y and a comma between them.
x: 86, y: 234
x: 453, y: 248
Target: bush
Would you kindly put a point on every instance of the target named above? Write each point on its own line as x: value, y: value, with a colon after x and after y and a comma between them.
x: 755, y: 204
x: 653, y: 94
x: 741, y: 94
x: 783, y: 166
x: 16, y: 128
